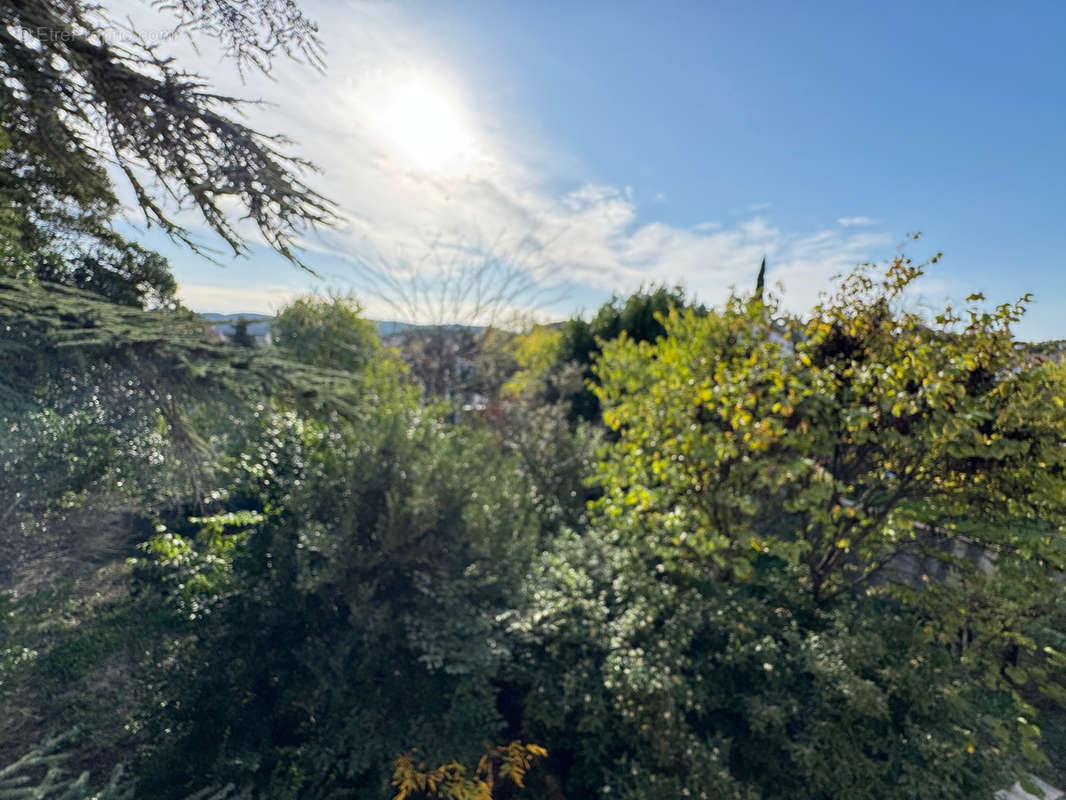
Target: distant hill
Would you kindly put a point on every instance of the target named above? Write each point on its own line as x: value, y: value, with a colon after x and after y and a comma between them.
x: 1054, y: 349
x: 231, y: 318
x: 259, y: 324
x: 386, y: 328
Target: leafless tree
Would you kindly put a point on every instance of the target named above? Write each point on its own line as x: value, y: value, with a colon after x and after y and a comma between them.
x: 457, y: 295
x: 472, y: 282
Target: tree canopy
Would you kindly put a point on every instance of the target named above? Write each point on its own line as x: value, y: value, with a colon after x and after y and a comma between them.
x: 670, y: 551
x: 795, y: 557
x: 76, y: 97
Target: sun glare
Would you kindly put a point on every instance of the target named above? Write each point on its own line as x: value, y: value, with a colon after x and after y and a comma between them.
x: 424, y: 126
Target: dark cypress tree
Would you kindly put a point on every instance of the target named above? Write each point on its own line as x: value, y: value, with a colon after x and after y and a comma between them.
x: 241, y: 337
x: 637, y: 316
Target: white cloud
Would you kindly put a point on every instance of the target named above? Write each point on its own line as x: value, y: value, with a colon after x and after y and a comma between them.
x: 491, y: 191
x: 259, y: 299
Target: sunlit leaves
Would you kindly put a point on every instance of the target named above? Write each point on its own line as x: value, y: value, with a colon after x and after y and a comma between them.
x: 847, y: 423
x: 503, y: 766
x: 864, y: 451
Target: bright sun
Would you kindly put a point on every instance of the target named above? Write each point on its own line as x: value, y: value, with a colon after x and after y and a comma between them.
x: 423, y: 124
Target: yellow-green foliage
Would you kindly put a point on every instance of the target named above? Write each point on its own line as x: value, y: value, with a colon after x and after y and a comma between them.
x: 830, y: 443
x: 841, y: 444
x: 506, y: 764
x: 327, y: 331
x: 535, y: 352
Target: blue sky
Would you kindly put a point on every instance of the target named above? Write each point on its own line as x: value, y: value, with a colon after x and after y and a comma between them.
x: 602, y: 144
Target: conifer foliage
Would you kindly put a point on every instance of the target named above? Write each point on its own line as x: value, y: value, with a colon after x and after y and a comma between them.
x: 674, y: 551
x: 79, y: 91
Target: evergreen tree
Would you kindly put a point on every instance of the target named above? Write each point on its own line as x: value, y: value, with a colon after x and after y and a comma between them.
x: 63, y: 75
x: 637, y: 316
x: 241, y: 337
